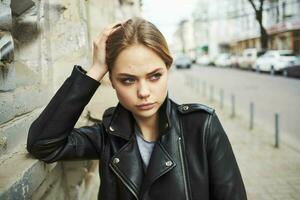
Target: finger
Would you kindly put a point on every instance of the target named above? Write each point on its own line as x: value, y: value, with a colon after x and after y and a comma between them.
x: 113, y: 25
x: 104, y: 35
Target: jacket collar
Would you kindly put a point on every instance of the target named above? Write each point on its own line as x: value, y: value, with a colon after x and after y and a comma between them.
x: 120, y: 122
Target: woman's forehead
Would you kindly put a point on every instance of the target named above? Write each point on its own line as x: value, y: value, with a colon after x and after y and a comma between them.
x: 137, y: 59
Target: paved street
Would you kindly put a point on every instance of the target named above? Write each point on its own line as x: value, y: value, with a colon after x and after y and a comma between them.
x: 270, y: 94
x: 268, y: 173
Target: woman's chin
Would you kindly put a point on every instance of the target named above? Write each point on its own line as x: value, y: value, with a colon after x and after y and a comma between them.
x: 145, y: 113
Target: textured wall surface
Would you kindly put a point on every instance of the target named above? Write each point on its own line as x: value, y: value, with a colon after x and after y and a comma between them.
x: 49, y: 37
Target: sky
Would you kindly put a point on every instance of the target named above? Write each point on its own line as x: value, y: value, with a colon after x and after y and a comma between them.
x: 166, y: 14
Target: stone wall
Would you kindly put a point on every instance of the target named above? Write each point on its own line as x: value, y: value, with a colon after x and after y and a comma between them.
x: 43, y: 40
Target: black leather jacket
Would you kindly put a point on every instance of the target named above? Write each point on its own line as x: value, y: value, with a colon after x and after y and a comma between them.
x: 192, y: 160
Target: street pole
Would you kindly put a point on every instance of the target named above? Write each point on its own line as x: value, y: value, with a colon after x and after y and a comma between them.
x: 232, y: 106
x: 276, y: 130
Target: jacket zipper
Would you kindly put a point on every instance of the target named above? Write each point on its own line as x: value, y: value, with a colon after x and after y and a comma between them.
x: 183, y: 169
x: 124, y: 182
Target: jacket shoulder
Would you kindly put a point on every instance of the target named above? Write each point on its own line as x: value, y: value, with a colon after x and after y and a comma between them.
x: 109, y: 112
x: 195, y: 107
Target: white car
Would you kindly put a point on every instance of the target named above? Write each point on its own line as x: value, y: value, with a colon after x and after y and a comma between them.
x: 183, y: 61
x: 249, y: 57
x: 223, y: 60
x: 203, y: 60
x: 275, y: 60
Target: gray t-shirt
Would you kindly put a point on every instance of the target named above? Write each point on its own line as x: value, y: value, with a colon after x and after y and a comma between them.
x: 145, y: 147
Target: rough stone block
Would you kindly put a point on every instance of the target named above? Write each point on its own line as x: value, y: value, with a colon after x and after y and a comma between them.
x: 6, y: 47
x: 7, y: 77
x: 22, y: 74
x: 25, y: 99
x: 5, y: 17
x: 15, y: 133
x: 53, y: 186
x: 18, y: 7
x: 21, y: 175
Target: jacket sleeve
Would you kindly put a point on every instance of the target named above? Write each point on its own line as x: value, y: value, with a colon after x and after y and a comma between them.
x: 225, y: 178
x: 52, y: 135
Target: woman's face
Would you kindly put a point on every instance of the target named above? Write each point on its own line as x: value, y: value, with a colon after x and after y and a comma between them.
x: 140, y: 78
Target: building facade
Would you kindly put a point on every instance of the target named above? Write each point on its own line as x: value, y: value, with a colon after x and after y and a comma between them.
x: 231, y: 26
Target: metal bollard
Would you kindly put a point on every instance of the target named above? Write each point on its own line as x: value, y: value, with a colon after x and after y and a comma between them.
x: 251, y: 115
x: 221, y: 98
x: 232, y: 106
x: 272, y: 71
x: 276, y: 130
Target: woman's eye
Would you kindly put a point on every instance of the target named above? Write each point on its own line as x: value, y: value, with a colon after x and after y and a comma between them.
x: 128, y: 81
x: 155, y: 77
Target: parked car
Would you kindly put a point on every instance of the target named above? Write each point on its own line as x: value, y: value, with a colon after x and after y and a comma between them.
x: 292, y: 71
x: 249, y: 57
x: 223, y: 60
x: 203, y: 60
x: 276, y: 61
x: 183, y: 61
x: 235, y: 60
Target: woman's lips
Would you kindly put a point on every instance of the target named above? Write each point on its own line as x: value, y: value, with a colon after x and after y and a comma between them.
x: 146, y: 106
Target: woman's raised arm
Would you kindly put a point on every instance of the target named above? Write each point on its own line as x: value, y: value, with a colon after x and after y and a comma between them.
x: 52, y: 135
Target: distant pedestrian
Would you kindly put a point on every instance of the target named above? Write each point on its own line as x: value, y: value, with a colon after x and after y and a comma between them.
x: 149, y: 147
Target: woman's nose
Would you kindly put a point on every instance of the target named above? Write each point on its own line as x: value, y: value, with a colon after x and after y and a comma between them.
x: 143, y: 91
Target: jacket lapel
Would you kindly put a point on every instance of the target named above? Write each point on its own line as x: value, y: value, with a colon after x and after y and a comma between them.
x: 160, y: 163
x: 128, y: 167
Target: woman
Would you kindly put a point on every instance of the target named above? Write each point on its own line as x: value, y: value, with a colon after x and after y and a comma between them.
x: 150, y: 148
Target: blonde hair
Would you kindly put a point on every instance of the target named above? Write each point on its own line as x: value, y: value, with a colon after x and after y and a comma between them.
x: 136, y: 31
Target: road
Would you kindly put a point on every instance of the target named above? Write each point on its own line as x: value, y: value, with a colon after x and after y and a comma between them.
x: 270, y: 95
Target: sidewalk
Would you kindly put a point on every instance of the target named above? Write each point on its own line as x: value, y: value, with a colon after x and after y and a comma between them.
x: 268, y: 173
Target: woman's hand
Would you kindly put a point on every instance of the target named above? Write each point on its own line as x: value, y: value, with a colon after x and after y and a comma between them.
x: 99, y: 67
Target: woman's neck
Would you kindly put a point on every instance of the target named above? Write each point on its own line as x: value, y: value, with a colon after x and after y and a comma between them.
x: 148, y: 127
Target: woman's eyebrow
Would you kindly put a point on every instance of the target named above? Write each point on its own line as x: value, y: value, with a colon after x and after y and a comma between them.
x: 148, y: 74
